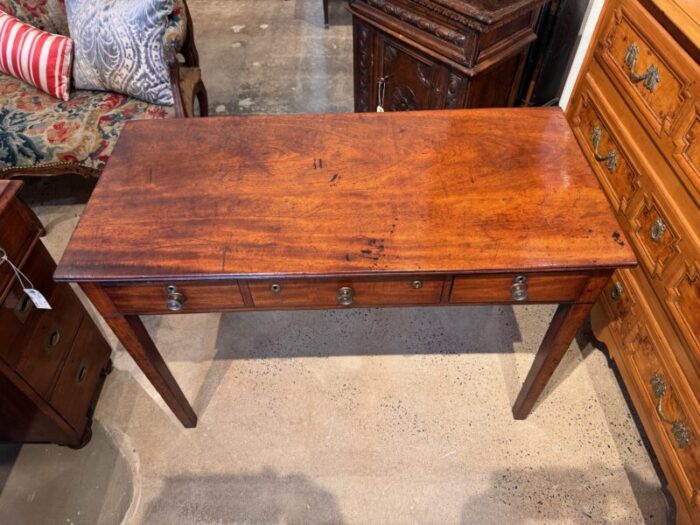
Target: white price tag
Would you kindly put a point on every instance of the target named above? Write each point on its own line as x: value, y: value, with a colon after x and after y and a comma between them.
x: 35, y: 295
x: 39, y: 300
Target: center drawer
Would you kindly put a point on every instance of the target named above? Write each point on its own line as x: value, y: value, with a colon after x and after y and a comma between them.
x: 351, y: 292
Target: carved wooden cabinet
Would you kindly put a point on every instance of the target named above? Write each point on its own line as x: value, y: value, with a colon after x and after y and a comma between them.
x: 440, y: 54
x: 636, y: 113
x: 52, y: 362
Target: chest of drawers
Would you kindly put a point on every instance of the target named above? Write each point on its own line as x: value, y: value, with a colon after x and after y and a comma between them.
x: 636, y: 114
x: 52, y: 362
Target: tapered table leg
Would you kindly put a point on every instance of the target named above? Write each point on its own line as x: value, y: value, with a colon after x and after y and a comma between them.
x: 326, y: 20
x: 562, y: 330
x: 134, y: 337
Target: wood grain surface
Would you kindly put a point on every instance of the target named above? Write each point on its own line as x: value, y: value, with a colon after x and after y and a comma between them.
x: 446, y: 192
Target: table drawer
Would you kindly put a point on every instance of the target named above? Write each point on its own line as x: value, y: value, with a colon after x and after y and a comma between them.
x: 19, y: 232
x: 77, y: 383
x: 650, y: 69
x: 42, y: 357
x: 385, y: 292
x: 175, y: 297
x: 547, y: 288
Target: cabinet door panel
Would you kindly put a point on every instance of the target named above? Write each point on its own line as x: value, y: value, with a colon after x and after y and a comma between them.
x: 412, y: 81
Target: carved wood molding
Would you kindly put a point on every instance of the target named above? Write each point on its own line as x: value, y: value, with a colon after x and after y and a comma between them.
x: 416, y: 20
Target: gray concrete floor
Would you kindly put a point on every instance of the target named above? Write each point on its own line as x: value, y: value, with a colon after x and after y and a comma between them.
x: 386, y: 416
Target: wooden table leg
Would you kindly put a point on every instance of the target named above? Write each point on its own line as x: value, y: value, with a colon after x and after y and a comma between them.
x: 326, y: 20
x: 134, y: 337
x: 561, y: 332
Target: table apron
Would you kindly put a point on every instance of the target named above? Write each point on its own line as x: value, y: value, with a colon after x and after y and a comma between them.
x: 309, y: 293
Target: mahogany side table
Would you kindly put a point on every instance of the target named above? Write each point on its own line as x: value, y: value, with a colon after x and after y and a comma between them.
x: 438, y: 208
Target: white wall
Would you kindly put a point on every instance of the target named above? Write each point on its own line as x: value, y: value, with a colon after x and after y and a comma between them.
x: 586, y: 34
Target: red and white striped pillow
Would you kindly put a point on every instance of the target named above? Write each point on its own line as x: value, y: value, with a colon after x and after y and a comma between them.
x: 35, y: 56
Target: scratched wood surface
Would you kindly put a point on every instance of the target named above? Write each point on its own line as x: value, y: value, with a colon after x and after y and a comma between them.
x: 466, y: 191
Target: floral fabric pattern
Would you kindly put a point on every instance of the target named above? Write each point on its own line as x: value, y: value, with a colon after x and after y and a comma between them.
x: 37, y: 129
x: 47, y: 15
x: 176, y: 32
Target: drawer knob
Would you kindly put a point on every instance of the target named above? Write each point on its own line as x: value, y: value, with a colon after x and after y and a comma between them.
x: 82, y: 374
x: 650, y: 77
x: 275, y: 288
x: 52, y: 340
x: 518, y: 290
x: 345, y: 296
x: 417, y: 285
x: 617, y: 291
x: 657, y: 230
x: 678, y: 429
x: 610, y: 159
x: 175, y: 298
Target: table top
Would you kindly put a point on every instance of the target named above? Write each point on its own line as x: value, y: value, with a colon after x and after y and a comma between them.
x: 465, y: 191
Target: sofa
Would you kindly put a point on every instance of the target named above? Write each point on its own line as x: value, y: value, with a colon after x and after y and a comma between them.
x: 41, y: 135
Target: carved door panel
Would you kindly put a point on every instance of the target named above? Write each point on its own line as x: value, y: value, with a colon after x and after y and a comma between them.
x: 413, y: 81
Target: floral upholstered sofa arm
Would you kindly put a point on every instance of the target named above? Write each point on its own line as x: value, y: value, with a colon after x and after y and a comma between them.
x: 41, y: 135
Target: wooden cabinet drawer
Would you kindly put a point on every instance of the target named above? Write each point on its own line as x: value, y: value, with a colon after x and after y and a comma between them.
x: 385, y: 292
x: 548, y: 288
x: 18, y: 317
x: 649, y: 67
x: 670, y: 410
x: 76, y: 384
x: 192, y: 297
x: 42, y: 357
x: 602, y: 147
x: 20, y: 231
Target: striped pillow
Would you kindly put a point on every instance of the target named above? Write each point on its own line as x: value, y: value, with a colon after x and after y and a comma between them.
x: 37, y: 57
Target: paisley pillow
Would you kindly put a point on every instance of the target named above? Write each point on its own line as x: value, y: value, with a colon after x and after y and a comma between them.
x: 119, y: 45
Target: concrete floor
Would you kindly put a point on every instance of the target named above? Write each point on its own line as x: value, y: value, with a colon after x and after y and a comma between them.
x: 338, y: 417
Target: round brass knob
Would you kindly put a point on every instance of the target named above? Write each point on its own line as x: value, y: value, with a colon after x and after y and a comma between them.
x: 345, y: 296
x: 276, y: 288
x: 175, y: 299
x: 518, y: 290
x: 417, y: 285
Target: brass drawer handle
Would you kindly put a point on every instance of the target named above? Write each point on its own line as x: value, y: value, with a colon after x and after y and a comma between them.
x: 52, y: 340
x: 345, y: 296
x: 610, y: 159
x: 82, y: 374
x: 417, y: 285
x: 617, y: 291
x: 678, y: 428
x: 657, y: 230
x: 518, y: 290
x: 650, y: 77
x: 275, y: 288
x: 175, y: 298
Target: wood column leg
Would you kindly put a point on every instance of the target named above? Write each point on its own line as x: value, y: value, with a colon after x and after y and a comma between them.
x: 133, y: 336
x: 561, y: 332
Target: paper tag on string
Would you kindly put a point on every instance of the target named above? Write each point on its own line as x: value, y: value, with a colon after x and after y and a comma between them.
x: 38, y: 299
x: 34, y: 295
